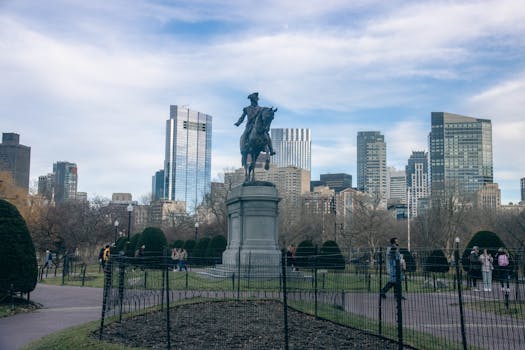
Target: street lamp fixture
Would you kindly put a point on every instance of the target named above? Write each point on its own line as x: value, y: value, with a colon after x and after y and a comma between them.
x: 116, y: 229
x: 196, y: 231
x: 130, y: 210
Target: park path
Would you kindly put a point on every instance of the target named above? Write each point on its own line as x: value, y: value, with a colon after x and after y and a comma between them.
x: 62, y: 307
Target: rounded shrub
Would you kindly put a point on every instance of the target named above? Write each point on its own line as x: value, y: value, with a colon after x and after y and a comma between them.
x: 331, y: 257
x: 133, y: 245
x: 154, y: 240
x: 177, y: 244
x: 216, y: 247
x: 305, y: 254
x: 436, y: 262
x: 18, y: 265
x: 189, y: 245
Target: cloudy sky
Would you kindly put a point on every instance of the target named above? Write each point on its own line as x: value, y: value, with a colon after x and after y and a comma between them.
x: 91, y: 82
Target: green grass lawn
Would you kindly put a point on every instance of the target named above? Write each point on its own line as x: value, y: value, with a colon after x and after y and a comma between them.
x: 15, y: 306
x: 78, y: 338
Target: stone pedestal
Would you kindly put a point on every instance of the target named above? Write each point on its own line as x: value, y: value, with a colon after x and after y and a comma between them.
x: 252, y: 230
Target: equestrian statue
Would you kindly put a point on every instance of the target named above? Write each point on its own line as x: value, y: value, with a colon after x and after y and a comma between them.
x: 255, y: 138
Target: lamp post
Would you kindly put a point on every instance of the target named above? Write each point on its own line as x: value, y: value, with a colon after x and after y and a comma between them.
x: 196, y: 231
x: 130, y: 210
x: 116, y: 229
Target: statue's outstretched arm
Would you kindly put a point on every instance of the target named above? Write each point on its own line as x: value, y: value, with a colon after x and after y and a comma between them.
x: 241, y: 119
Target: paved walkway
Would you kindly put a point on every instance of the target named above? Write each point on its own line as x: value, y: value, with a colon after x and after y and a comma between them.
x: 63, y: 307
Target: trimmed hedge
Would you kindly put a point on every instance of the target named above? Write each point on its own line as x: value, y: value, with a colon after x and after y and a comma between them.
x: 436, y: 262
x: 331, y: 257
x: 18, y: 265
x: 154, y: 240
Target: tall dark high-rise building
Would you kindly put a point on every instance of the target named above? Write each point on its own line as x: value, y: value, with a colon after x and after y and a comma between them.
x: 187, y: 164
x: 336, y: 182
x: 157, y: 185
x: 522, y: 185
x: 66, y: 181
x: 371, y: 163
x: 460, y: 154
x: 293, y: 147
x: 16, y: 159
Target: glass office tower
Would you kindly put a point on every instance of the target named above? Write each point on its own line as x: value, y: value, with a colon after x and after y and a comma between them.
x: 371, y: 163
x: 66, y: 181
x: 460, y: 154
x: 293, y: 147
x: 187, y: 164
x: 416, y: 180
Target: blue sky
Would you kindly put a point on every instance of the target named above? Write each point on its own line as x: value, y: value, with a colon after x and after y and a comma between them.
x: 91, y: 82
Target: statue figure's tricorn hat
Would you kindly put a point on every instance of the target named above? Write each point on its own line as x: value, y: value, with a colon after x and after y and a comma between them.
x: 253, y: 95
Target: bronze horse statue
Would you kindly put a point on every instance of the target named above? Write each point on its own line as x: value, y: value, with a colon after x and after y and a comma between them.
x: 257, y: 142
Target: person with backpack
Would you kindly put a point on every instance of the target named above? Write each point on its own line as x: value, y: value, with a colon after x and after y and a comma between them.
x: 503, y: 268
x: 106, y: 255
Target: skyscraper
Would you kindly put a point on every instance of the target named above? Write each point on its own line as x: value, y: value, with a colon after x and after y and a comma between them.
x: 66, y: 181
x: 15, y: 158
x: 460, y: 154
x: 371, y: 163
x: 397, y: 187
x: 293, y: 147
x: 416, y: 180
x: 522, y: 185
x: 187, y: 164
x: 157, y: 185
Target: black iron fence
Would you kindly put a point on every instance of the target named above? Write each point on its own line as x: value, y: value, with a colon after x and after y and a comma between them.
x: 431, y: 305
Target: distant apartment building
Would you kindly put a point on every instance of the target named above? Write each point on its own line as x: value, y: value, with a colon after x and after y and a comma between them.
x: 293, y: 147
x: 396, y: 186
x: 166, y: 212
x: 460, y: 154
x: 348, y: 201
x: 81, y: 196
x: 416, y: 180
x: 46, y: 186
x: 489, y: 196
x: 371, y: 163
x: 187, y: 162
x: 15, y: 159
x: 121, y: 198
x: 66, y: 181
x: 321, y: 200
x: 291, y: 182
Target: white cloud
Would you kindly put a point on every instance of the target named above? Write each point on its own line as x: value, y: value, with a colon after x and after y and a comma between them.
x: 99, y: 76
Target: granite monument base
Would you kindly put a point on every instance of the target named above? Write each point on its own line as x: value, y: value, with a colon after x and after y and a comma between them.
x: 252, y: 248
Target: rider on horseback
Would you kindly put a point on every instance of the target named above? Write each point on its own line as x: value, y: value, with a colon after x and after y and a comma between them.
x: 251, y: 112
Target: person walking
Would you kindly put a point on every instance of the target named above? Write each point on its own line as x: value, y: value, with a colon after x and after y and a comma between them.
x: 183, y: 256
x: 106, y: 255
x: 290, y: 255
x: 503, y: 269
x: 486, y: 270
x: 474, y: 268
x: 392, y: 255
x: 175, y: 256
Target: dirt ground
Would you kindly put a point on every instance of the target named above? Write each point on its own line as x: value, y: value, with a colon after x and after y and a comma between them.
x: 238, y: 325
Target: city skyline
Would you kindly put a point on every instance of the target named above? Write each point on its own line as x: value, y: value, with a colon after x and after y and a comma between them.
x: 90, y: 82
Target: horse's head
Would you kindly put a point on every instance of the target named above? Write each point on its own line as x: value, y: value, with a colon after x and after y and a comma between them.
x: 267, y: 115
